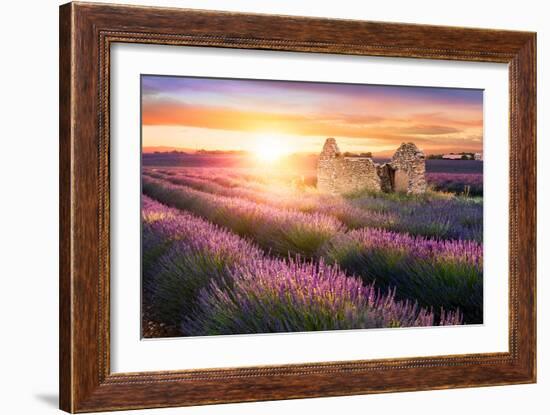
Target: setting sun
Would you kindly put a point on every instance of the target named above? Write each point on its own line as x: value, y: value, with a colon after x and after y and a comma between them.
x: 270, y: 149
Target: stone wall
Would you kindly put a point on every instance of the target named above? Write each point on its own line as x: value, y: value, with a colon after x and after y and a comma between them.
x: 354, y: 173
x: 410, y: 169
x: 326, y: 169
x: 386, y: 174
x: 339, y: 174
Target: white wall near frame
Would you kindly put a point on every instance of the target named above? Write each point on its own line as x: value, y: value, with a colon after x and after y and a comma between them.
x: 28, y: 214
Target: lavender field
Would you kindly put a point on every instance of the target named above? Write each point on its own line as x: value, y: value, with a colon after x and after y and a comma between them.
x: 234, y: 250
x: 274, y: 206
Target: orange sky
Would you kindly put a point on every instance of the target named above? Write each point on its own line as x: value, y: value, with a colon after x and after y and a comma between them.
x: 195, y: 113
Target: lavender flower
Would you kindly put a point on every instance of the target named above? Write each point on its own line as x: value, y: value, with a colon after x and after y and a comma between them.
x: 437, y: 273
x: 426, y: 249
x: 441, y: 218
x: 432, y: 215
x: 280, y: 230
x: 270, y: 295
x: 184, y: 254
x: 208, y: 280
x: 459, y: 183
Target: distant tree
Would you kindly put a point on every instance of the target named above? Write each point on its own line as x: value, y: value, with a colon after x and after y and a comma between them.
x: 349, y: 154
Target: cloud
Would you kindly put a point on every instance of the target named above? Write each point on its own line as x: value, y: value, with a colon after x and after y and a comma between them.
x: 171, y: 113
x: 384, y: 115
x: 369, y: 128
x: 429, y: 130
x: 467, y: 118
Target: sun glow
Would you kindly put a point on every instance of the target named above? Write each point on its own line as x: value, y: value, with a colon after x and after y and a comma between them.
x: 270, y: 148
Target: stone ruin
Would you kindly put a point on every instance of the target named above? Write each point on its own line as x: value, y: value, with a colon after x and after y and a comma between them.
x: 338, y: 173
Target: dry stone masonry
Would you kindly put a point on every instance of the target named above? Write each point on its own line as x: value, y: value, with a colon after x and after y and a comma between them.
x: 337, y: 173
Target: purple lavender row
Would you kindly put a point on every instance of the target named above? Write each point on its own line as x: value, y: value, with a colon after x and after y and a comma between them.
x: 435, y: 215
x: 268, y: 296
x: 181, y: 254
x: 460, y: 183
x: 349, y: 215
x: 436, y: 273
x: 280, y: 230
x: 217, y: 282
x: 439, y: 218
x: 470, y: 252
x: 169, y: 224
x: 264, y: 218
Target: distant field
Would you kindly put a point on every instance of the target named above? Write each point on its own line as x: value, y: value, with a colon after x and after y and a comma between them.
x: 454, y: 166
x: 303, y: 161
x: 455, y: 176
x: 191, y: 160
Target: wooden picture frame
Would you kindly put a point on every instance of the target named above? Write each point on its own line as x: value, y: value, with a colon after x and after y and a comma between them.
x: 86, y: 33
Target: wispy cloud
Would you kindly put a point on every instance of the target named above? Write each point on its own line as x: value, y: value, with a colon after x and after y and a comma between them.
x: 378, y: 115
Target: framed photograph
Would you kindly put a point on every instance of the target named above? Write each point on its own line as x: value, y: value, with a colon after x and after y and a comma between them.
x: 259, y: 207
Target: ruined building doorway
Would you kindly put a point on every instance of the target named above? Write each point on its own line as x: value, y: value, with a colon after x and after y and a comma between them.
x: 400, y: 181
x: 391, y: 177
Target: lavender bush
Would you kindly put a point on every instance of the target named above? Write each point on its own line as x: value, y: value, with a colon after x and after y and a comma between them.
x: 230, y: 251
x: 441, y: 218
x: 269, y: 295
x: 183, y: 254
x: 432, y: 215
x: 282, y: 231
x: 202, y: 266
x: 459, y: 183
x: 437, y: 273
x: 435, y: 280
